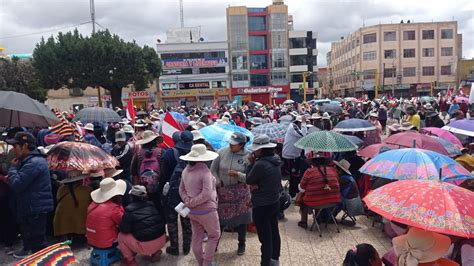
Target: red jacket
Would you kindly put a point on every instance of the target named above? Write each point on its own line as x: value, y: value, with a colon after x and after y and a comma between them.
x: 102, y: 223
x: 316, y: 192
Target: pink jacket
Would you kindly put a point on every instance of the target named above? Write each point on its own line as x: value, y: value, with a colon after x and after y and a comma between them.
x: 198, y: 188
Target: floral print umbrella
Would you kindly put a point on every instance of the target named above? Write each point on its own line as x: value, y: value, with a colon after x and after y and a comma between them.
x: 80, y: 156
x: 412, y: 163
x: 431, y: 205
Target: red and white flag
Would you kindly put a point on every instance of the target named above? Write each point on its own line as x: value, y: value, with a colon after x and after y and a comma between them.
x: 169, y: 127
x: 130, y: 110
x: 216, y: 103
x: 448, y: 93
x: 461, y: 90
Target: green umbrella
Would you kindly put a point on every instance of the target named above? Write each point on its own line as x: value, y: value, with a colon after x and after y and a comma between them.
x: 326, y: 141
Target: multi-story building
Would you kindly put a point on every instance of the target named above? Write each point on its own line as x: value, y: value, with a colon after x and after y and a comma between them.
x: 258, y: 52
x: 323, y: 82
x: 303, y: 61
x: 194, y: 72
x: 465, y: 74
x: 403, y: 59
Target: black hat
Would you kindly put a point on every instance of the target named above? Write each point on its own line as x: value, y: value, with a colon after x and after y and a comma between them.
x: 22, y: 138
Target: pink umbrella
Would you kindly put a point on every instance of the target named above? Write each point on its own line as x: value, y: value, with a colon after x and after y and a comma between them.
x: 407, y: 139
x: 442, y: 133
x: 462, y: 99
x: 372, y: 150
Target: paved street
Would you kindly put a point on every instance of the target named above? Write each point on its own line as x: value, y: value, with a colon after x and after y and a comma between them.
x: 299, y: 246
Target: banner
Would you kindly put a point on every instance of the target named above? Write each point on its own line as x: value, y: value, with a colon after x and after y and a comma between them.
x: 194, y: 62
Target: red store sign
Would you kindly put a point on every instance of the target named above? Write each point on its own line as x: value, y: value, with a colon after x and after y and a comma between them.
x: 139, y: 94
x: 260, y: 90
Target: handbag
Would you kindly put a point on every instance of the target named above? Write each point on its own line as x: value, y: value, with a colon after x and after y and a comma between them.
x: 299, y: 199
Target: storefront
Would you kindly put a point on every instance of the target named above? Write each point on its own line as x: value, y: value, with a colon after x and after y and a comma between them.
x: 264, y: 95
x: 141, y: 99
x: 195, y: 97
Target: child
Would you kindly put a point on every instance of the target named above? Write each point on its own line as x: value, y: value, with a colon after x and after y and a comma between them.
x: 362, y: 254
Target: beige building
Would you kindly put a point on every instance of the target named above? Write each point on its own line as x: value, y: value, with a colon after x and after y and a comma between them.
x: 405, y: 59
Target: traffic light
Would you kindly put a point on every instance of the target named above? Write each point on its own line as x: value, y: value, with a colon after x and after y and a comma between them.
x: 301, y: 88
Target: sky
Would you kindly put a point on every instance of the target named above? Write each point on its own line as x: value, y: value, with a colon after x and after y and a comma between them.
x: 24, y: 22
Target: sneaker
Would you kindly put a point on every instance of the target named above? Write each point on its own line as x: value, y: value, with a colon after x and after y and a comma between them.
x: 241, y: 250
x: 21, y: 254
x: 172, y: 251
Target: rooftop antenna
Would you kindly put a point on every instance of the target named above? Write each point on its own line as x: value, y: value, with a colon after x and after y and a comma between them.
x: 181, y: 13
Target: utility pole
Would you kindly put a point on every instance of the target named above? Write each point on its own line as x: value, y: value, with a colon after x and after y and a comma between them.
x: 181, y: 13
x: 92, y: 9
x: 376, y: 88
x: 305, y: 75
x: 383, y: 77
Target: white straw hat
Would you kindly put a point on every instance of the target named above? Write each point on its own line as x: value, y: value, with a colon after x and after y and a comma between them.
x: 199, y: 153
x: 148, y: 136
x: 344, y: 165
x: 89, y: 126
x: 197, y: 135
x: 108, y: 189
x: 128, y: 129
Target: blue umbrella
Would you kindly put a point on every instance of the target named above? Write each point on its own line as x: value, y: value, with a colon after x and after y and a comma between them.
x: 356, y: 140
x: 353, y: 125
x: 334, y: 102
x: 217, y: 135
x: 452, y: 149
x: 318, y: 101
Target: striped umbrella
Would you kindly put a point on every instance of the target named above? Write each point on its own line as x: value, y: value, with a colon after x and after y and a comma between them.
x: 273, y: 130
x: 326, y: 141
x: 98, y: 115
x: 353, y: 125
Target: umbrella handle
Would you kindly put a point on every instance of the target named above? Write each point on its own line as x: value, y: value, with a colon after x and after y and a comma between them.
x: 414, y: 143
x: 440, y: 174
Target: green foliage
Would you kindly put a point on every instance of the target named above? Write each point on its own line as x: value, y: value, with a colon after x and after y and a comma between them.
x: 19, y: 76
x: 103, y: 59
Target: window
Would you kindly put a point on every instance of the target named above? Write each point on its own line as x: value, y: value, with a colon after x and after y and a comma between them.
x: 279, y: 78
x: 298, y: 60
x: 76, y: 92
x: 279, y: 39
x: 370, y: 38
x: 240, y: 77
x: 428, y: 52
x: 369, y: 74
x: 258, y: 61
x: 279, y: 59
x: 389, y: 36
x: 409, y: 35
x: 278, y: 21
x: 390, y: 54
x: 208, y: 70
x: 446, y: 51
x: 219, y: 84
x: 369, y: 56
x: 238, y: 32
x: 427, y: 34
x: 257, y: 23
x: 389, y: 72
x: 445, y: 70
x: 407, y: 53
x: 296, y: 78
x: 259, y: 80
x: 297, y: 43
x: 446, y: 33
x: 428, y: 71
x: 409, y: 71
x: 239, y: 62
x: 258, y: 43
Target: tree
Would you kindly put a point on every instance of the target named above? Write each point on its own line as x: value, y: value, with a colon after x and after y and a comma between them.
x: 19, y: 76
x: 101, y: 60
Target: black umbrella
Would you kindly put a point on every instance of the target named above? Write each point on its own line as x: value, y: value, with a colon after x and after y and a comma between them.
x: 98, y: 115
x: 19, y: 110
x: 330, y: 108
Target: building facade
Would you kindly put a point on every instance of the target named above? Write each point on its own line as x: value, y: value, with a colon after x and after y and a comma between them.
x: 258, y: 52
x: 465, y: 74
x: 194, y: 73
x: 404, y: 59
x: 303, y: 60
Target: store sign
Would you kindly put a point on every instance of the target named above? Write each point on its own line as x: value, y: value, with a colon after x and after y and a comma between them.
x: 195, y: 92
x: 194, y: 62
x: 259, y: 90
x: 139, y: 94
x: 193, y: 85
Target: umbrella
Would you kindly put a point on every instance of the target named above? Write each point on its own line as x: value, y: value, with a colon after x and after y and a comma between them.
x: 410, y: 138
x: 349, y: 99
x: 412, y: 163
x: 426, y: 99
x: 442, y: 133
x: 286, y: 119
x: 273, y: 130
x: 452, y: 149
x: 255, y: 104
x: 80, y: 156
x: 335, y: 102
x: 372, y: 150
x: 339, y: 99
x: 257, y: 120
x: 19, y: 110
x: 180, y: 118
x: 330, y: 108
x: 312, y: 129
x: 353, y: 125
x: 98, y: 115
x: 463, y: 127
x: 318, y: 101
x: 326, y: 141
x: 462, y: 99
x: 217, y: 135
x: 434, y: 206
x: 356, y: 140
x: 289, y: 102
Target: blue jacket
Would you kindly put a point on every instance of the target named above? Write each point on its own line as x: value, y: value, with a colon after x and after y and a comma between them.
x: 31, y: 183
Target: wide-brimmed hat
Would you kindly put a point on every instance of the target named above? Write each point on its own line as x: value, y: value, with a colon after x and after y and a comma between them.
x: 200, y: 125
x: 148, y: 136
x: 185, y: 140
x: 138, y: 191
x: 237, y: 138
x: 299, y: 118
x: 260, y: 142
x: 326, y: 116
x: 155, y: 116
x: 344, y: 165
x: 89, y: 126
x: 109, y: 188
x: 124, y: 121
x: 193, y: 125
x: 420, y: 246
x: 199, y: 153
x: 112, y: 172
x: 73, y: 176
x: 315, y: 116
x: 128, y: 129
x: 197, y: 135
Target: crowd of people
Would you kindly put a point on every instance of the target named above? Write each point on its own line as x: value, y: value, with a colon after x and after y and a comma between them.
x: 134, y: 207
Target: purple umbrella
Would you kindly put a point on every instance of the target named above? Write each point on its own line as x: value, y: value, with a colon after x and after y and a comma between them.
x: 463, y: 127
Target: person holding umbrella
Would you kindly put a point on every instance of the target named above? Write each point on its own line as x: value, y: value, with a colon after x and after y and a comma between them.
x: 89, y: 137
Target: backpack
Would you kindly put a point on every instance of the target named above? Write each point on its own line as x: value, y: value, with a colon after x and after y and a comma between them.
x: 150, y: 170
x: 173, y: 198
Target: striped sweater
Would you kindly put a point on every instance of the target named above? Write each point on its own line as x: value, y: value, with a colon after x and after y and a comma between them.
x: 316, y: 191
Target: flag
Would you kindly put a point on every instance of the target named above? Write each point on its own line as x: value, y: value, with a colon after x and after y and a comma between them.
x: 57, y: 254
x: 448, y: 93
x: 130, y: 110
x: 461, y: 90
x: 170, y: 126
x: 216, y: 103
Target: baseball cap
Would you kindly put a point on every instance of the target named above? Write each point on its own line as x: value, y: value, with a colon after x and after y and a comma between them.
x: 237, y: 138
x: 22, y: 138
x: 120, y: 136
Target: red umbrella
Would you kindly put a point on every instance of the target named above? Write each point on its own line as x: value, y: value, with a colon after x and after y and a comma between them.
x: 431, y: 205
x: 442, y: 133
x: 410, y: 138
x: 372, y: 150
